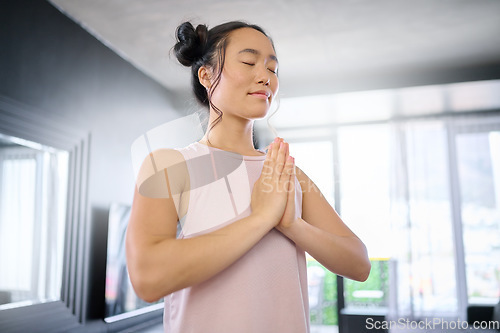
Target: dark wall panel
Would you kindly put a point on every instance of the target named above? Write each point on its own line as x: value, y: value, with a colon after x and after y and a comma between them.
x: 52, y: 65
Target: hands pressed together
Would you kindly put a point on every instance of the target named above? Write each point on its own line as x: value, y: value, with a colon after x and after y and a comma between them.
x: 273, y: 195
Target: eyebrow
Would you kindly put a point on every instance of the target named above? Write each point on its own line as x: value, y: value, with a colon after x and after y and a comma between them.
x: 253, y: 51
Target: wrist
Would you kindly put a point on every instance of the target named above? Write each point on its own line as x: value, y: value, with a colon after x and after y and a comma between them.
x: 264, y: 219
x: 291, y: 229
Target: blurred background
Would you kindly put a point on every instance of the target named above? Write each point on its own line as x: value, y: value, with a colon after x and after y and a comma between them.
x: 391, y: 107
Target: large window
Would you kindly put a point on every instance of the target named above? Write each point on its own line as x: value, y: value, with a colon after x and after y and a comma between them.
x: 478, y: 163
x: 417, y: 177
x: 397, y: 184
x: 33, y: 185
x: 365, y: 184
x: 422, y: 222
x: 365, y: 171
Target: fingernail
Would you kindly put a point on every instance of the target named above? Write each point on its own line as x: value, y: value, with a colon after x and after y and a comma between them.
x: 276, y: 139
x: 281, y: 145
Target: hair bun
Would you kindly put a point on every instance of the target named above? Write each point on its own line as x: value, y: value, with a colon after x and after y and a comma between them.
x: 190, y: 43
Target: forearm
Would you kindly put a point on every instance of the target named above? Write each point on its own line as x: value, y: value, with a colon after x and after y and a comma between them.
x: 343, y: 255
x: 173, y: 264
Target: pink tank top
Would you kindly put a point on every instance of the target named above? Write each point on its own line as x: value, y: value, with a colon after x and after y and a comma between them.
x: 263, y: 291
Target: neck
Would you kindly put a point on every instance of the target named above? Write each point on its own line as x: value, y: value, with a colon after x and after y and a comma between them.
x: 230, y: 133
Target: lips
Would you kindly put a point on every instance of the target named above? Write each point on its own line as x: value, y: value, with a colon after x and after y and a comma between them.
x: 261, y: 93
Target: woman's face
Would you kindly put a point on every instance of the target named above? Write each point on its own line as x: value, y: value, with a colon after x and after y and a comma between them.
x: 248, y: 81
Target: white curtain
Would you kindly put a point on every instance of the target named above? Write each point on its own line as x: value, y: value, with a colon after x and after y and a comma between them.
x: 32, y: 201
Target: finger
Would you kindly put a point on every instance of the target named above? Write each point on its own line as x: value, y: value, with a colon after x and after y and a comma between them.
x: 292, y: 178
x: 291, y: 188
x: 272, y: 159
x: 275, y: 148
x: 281, y: 159
x: 268, y: 167
x: 287, y: 153
x: 287, y: 174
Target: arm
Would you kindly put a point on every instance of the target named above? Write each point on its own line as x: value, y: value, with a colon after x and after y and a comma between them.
x: 323, y: 234
x: 160, y: 264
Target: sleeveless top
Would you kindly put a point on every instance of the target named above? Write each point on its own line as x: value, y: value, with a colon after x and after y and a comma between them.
x: 265, y: 290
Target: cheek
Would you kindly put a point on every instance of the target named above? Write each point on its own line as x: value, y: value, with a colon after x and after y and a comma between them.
x: 229, y: 82
x: 228, y: 88
x: 237, y: 79
x: 275, y: 85
x: 234, y: 83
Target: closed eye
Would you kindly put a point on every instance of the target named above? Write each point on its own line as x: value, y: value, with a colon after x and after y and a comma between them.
x: 251, y: 64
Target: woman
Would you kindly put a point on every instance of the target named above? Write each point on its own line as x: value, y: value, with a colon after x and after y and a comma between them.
x: 238, y: 264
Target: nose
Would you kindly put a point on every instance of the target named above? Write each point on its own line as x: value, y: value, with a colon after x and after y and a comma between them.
x: 264, y: 77
x: 265, y: 81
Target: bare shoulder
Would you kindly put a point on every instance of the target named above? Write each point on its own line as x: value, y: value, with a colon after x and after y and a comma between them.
x: 159, y: 168
x: 159, y: 188
x: 167, y: 157
x: 162, y: 158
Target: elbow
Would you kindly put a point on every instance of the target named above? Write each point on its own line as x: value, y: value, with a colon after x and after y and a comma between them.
x: 364, y: 267
x: 361, y: 269
x: 142, y: 277
x: 150, y: 284
x: 150, y: 280
x: 364, y: 271
x: 360, y: 273
x: 146, y: 296
x: 144, y: 288
x: 149, y: 297
x: 143, y: 281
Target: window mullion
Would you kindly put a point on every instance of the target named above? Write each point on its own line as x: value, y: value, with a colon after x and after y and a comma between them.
x: 456, y: 209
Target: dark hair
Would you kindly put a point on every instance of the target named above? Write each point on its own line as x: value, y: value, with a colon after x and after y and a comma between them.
x: 202, y: 47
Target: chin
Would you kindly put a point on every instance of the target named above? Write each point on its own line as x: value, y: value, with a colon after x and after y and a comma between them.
x: 259, y: 114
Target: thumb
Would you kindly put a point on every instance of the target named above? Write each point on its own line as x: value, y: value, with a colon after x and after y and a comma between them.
x: 291, y: 181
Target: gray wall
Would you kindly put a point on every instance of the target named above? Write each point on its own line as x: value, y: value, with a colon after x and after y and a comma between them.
x: 50, y: 63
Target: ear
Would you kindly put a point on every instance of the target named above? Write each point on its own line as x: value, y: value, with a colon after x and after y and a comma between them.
x: 205, y: 76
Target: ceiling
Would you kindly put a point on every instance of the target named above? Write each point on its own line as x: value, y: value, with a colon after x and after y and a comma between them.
x: 324, y: 46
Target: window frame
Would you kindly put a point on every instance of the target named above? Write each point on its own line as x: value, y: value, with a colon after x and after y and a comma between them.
x: 477, y: 121
x: 469, y: 123
x: 26, y: 122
